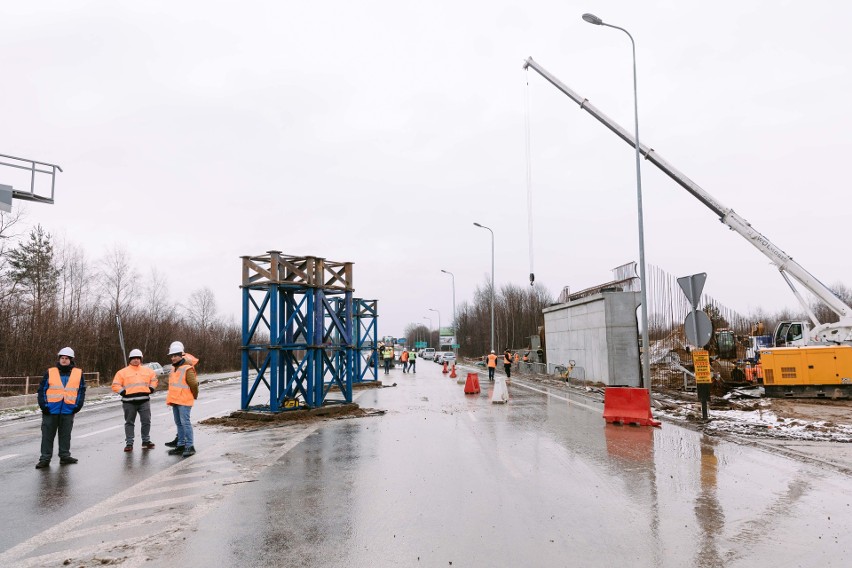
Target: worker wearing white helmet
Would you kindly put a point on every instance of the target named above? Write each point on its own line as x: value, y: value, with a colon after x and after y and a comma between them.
x: 135, y: 383
x: 183, y: 390
x: 61, y: 395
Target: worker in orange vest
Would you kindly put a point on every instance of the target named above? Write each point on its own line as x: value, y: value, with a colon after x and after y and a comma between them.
x: 183, y: 390
x: 492, y: 364
x: 517, y: 361
x: 192, y: 360
x: 404, y: 359
x: 61, y: 394
x: 507, y: 363
x: 135, y: 383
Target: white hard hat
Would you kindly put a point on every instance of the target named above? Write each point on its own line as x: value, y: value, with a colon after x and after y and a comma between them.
x: 67, y: 351
x: 176, y: 348
x: 492, y: 351
x: 134, y: 353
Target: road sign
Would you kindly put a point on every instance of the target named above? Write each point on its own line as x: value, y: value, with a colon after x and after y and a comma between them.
x: 400, y: 341
x: 6, y: 198
x: 455, y: 345
x: 692, y: 287
x: 419, y: 344
x: 701, y: 361
x: 698, y: 328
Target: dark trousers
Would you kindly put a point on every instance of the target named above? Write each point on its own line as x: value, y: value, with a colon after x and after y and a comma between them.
x: 412, y: 365
x: 491, y: 373
x: 508, y: 368
x: 131, y: 409
x: 405, y: 366
x: 387, y: 366
x: 50, y: 423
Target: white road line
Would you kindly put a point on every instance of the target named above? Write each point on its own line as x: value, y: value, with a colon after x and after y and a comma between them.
x: 568, y: 400
x: 100, y: 431
x: 8, y: 457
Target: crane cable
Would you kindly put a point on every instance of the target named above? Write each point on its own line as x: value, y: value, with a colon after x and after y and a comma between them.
x: 529, y: 176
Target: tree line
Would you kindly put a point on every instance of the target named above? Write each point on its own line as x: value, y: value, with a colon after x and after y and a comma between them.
x: 52, y: 295
x: 517, y: 316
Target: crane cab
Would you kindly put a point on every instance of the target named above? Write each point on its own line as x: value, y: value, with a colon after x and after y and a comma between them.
x: 791, y: 333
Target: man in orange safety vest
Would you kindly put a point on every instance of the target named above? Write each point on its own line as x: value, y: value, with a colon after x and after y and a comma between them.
x: 61, y: 394
x: 491, y: 361
x: 183, y: 390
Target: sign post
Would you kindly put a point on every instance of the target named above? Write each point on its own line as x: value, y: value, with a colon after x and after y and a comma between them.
x: 698, y: 329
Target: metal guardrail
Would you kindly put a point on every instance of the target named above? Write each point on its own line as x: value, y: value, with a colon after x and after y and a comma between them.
x: 11, y: 386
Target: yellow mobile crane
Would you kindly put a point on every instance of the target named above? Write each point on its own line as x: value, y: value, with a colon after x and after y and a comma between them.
x: 804, y: 361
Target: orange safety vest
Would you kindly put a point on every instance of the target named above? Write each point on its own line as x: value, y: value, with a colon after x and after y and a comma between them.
x: 179, y: 391
x: 404, y: 356
x: 492, y: 360
x: 507, y: 359
x: 57, y: 392
x: 517, y: 357
x: 133, y: 380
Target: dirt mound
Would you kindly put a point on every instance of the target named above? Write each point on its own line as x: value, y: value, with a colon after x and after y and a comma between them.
x: 253, y: 419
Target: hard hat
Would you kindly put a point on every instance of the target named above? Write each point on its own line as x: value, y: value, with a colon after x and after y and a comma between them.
x: 134, y: 353
x: 176, y: 348
x: 492, y: 351
x: 67, y: 351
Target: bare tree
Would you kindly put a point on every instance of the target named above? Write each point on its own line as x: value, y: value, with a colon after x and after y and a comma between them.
x: 201, y: 309
x: 119, y: 279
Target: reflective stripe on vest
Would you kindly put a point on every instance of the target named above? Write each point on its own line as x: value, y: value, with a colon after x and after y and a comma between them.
x: 179, y: 392
x: 56, y: 392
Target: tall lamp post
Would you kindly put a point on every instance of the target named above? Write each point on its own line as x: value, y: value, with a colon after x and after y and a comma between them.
x: 492, y: 281
x: 439, y: 326
x: 646, y: 362
x: 455, y: 321
x: 429, y: 335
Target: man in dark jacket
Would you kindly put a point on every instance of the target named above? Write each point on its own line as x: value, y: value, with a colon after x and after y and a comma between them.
x: 61, y: 394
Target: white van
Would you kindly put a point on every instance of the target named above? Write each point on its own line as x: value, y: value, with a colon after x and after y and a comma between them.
x: 429, y: 353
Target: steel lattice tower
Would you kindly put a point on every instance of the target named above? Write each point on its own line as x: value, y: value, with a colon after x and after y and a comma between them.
x: 297, y: 330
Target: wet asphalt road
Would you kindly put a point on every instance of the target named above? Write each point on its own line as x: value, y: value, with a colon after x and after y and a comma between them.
x: 442, y: 479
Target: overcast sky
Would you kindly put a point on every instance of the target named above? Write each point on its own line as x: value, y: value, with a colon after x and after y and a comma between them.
x: 378, y: 131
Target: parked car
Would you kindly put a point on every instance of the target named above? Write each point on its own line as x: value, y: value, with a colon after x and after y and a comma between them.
x: 429, y: 353
x: 159, y: 369
x: 449, y: 357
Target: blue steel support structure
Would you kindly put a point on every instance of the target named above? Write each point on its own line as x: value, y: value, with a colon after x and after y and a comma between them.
x: 366, y: 340
x: 297, y: 331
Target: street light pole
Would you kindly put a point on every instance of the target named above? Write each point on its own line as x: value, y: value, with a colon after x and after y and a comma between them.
x: 455, y: 321
x: 439, y: 326
x: 492, y: 281
x: 428, y: 335
x: 646, y: 348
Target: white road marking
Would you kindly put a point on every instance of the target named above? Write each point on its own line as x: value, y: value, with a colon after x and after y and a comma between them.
x: 100, y: 431
x: 8, y: 456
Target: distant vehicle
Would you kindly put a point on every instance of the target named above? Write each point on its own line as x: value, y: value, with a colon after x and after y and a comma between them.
x: 157, y: 368
x: 447, y: 357
x: 429, y: 353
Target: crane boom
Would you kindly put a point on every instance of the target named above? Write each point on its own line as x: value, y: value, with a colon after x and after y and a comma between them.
x: 836, y: 332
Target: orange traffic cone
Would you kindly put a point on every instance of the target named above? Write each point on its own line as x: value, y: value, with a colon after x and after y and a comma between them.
x: 445, y: 371
x: 472, y: 384
x: 453, y: 374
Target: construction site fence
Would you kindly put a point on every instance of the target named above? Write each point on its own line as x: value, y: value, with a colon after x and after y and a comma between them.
x: 12, y: 386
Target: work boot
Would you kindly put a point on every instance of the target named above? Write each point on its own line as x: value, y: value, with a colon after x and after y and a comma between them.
x: 42, y: 464
x: 68, y: 460
x: 147, y: 445
x: 177, y: 450
x: 128, y: 448
x: 172, y: 444
x: 190, y: 451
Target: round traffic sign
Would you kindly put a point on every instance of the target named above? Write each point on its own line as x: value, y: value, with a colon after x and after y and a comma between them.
x: 698, y: 328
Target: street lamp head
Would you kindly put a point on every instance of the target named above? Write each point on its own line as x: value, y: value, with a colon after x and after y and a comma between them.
x: 477, y: 225
x: 444, y: 271
x: 592, y: 19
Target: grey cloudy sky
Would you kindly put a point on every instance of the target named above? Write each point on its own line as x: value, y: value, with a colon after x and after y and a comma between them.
x: 377, y: 132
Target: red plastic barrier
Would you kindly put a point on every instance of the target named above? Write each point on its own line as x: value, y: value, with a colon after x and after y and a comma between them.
x: 445, y: 371
x: 453, y: 373
x: 472, y: 384
x: 628, y: 405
